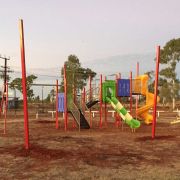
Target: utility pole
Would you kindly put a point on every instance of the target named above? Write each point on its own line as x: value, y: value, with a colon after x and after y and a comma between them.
x: 5, y: 70
x: 4, y: 75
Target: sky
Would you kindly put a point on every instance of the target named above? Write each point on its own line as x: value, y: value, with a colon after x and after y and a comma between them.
x: 90, y: 29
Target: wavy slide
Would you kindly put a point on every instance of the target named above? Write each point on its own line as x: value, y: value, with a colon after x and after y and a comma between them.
x: 133, y: 123
x: 143, y: 111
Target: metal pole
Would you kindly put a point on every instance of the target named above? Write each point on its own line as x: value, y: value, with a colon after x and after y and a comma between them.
x: 84, y: 99
x: 105, y: 109
x: 137, y: 74
x: 74, y: 100
x: 90, y: 95
x: 100, y: 113
x: 116, y: 114
x: 15, y: 102
x: 57, y: 123
x: 23, y: 65
x: 65, y: 100
x: 131, y: 92
x: 42, y: 99
x: 155, y: 91
x: 6, y: 106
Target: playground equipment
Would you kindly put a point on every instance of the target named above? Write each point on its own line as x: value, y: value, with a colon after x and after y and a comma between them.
x: 76, y: 111
x: 109, y: 93
x: 141, y: 86
x: 69, y: 104
x: 109, y: 96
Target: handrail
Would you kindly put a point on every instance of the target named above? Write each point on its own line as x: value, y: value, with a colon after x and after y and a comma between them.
x: 94, y: 96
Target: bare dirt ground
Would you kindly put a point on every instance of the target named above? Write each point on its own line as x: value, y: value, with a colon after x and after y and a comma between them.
x: 107, y: 153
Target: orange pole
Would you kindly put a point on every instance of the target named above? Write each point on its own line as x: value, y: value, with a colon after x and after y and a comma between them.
x: 100, y: 113
x: 57, y: 123
x: 74, y: 99
x: 65, y: 100
x: 90, y: 95
x: 6, y: 106
x: 23, y: 65
x: 155, y: 91
x: 84, y: 99
x: 131, y: 92
x: 105, y: 110
x: 137, y: 74
x: 116, y: 114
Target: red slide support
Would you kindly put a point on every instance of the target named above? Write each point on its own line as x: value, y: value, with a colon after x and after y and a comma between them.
x: 155, y: 91
x: 23, y: 66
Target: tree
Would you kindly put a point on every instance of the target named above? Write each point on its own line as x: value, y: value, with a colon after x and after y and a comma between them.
x: 170, y: 56
x: 51, y: 96
x: 76, y: 75
x: 17, y: 84
x: 151, y: 81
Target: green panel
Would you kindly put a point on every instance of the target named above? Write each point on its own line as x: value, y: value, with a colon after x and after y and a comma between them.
x: 108, y: 89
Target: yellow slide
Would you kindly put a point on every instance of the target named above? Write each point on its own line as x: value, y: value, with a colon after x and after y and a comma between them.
x: 143, y: 112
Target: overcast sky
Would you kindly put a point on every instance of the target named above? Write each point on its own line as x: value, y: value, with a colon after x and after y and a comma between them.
x: 91, y: 29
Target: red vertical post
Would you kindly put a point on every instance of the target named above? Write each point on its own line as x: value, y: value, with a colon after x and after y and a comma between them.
x: 105, y: 109
x: 84, y: 99
x: 57, y: 123
x: 137, y: 74
x: 117, y: 123
x: 6, y: 106
x: 65, y: 100
x: 90, y: 98
x: 119, y: 77
x: 155, y: 91
x: 23, y: 66
x: 7, y: 93
x: 100, y: 112
x: 131, y: 92
x: 74, y: 100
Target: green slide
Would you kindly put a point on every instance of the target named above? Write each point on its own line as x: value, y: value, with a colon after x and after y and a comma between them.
x: 133, y: 123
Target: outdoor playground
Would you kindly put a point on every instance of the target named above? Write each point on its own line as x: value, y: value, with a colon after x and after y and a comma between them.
x: 106, y: 132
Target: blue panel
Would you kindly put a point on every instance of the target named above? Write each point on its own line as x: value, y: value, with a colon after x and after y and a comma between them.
x: 123, y: 87
x: 60, y: 102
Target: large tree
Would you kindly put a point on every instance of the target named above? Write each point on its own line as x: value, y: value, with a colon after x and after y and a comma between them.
x: 170, y: 56
x: 17, y: 84
x: 76, y: 75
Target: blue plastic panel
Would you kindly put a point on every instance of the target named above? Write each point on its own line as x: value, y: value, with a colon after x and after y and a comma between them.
x: 123, y: 87
x: 60, y: 102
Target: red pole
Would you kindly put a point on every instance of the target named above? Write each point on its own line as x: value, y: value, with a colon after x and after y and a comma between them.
x: 137, y: 74
x: 57, y: 123
x: 65, y: 100
x: 155, y: 91
x: 23, y: 65
x: 100, y: 113
x: 117, y: 123
x: 6, y: 106
x: 74, y: 99
x: 131, y: 92
x: 119, y: 76
x: 84, y: 99
x: 105, y: 109
x: 90, y: 95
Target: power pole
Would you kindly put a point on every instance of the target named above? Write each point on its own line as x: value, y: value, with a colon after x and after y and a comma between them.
x: 4, y: 75
x: 5, y: 70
